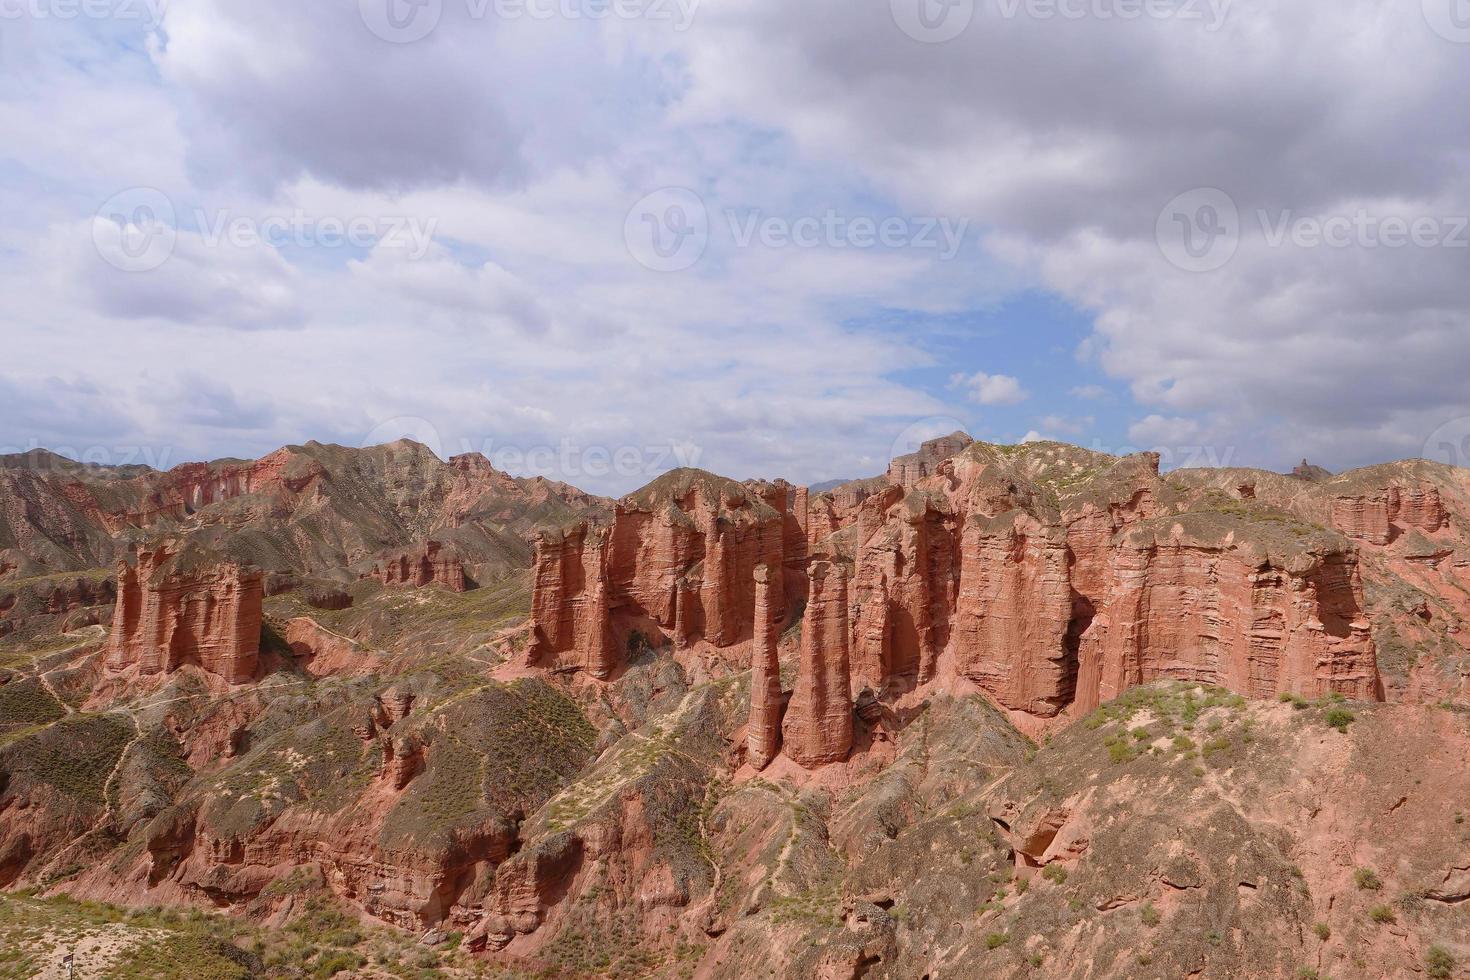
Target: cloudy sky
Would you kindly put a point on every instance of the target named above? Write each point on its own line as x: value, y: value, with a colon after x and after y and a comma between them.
x: 599, y: 238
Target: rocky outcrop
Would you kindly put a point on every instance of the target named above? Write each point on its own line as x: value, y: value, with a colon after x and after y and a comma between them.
x: 763, y: 738
x: 818, y: 726
x: 308, y: 512
x: 429, y: 564
x: 1190, y: 604
x: 676, y: 563
x: 190, y: 608
x: 569, y: 601
x: 1380, y: 515
x: 907, y: 471
x: 1015, y: 608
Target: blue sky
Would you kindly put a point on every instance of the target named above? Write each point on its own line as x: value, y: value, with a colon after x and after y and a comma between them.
x: 763, y: 238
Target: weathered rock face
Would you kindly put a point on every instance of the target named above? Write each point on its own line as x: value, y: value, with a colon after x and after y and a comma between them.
x: 311, y: 510
x: 174, y: 610
x: 763, y: 739
x: 907, y: 471
x: 1185, y: 607
x: 1015, y: 608
x: 678, y: 559
x: 431, y: 564
x: 904, y: 590
x: 818, y: 725
x: 1380, y: 515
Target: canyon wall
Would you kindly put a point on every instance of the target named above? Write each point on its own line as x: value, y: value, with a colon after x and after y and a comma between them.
x: 428, y: 564
x: 175, y: 609
x: 676, y: 563
x: 1049, y: 577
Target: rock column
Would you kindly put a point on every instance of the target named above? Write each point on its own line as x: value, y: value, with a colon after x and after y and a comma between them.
x: 818, y: 726
x: 763, y: 739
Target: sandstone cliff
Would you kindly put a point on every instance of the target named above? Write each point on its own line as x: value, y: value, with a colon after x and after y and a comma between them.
x: 186, y: 608
x: 676, y: 563
x: 818, y: 725
x: 429, y: 564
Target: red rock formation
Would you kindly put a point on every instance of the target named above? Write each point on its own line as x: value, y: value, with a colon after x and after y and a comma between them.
x: 763, y: 739
x: 430, y: 564
x: 1015, y: 608
x: 1191, y: 606
x: 818, y: 726
x: 173, y: 610
x: 326, y: 653
x: 678, y: 559
x: 569, y: 601
x: 907, y: 471
x: 1376, y: 516
x: 905, y: 587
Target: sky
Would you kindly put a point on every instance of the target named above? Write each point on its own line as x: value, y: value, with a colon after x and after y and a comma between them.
x: 597, y: 239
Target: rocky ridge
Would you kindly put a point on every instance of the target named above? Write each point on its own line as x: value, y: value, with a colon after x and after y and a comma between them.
x: 742, y: 729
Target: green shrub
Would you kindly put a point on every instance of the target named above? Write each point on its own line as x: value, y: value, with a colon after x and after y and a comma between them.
x: 1323, y: 931
x: 1381, y: 914
x: 1438, y: 963
x: 1339, y: 718
x: 1055, y: 873
x: 1149, y: 915
x: 996, y: 940
x: 336, y: 962
x: 1367, y: 879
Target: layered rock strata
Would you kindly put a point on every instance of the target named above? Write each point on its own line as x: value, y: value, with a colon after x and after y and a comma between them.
x: 817, y: 728
x: 430, y: 564
x: 175, y: 609
x: 763, y: 739
x: 675, y: 563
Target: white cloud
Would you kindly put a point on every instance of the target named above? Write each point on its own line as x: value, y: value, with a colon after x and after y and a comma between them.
x: 1089, y: 392
x: 990, y: 389
x: 1066, y: 424
x: 525, y: 144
